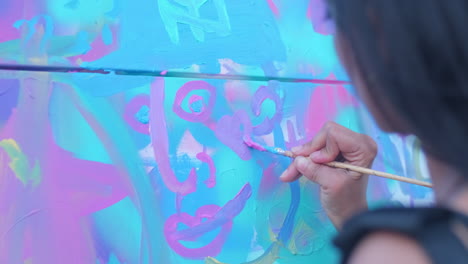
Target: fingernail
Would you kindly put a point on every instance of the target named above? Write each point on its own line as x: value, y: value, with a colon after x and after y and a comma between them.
x: 301, y: 163
x: 283, y: 175
x: 296, y: 149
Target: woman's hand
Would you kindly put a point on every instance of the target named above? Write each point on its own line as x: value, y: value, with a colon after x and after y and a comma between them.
x: 342, y: 192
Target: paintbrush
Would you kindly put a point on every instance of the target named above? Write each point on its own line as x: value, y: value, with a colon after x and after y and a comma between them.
x: 336, y: 164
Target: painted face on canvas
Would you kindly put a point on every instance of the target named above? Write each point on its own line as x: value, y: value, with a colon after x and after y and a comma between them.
x: 118, y: 166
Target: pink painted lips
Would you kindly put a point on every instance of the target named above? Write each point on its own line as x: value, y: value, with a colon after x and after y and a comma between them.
x: 207, y: 219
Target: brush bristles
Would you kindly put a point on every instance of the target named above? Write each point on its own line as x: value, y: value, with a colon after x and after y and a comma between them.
x: 283, y: 152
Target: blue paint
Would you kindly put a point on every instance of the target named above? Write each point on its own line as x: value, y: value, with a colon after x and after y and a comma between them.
x: 197, y: 106
x: 85, y: 13
x: 118, y: 230
x: 94, y: 85
x: 107, y: 35
x: 256, y: 24
x: 77, y: 136
x: 73, y: 4
x: 32, y: 24
x: 288, y: 224
x: 5, y: 7
x: 242, y: 37
x: 174, y: 15
x: 225, y: 214
x: 80, y: 45
x: 143, y: 115
x: 113, y: 13
x: 123, y: 151
x: 166, y: 209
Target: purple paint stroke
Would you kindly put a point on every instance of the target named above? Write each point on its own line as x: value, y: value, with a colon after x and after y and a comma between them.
x: 129, y: 173
x: 211, y: 181
x: 99, y: 48
x: 216, y: 218
x: 160, y: 143
x: 55, y: 190
x: 9, y: 90
x: 227, y: 213
x: 268, y: 183
x: 178, y: 201
x: 251, y: 144
x: 83, y: 186
x: 317, y: 14
x: 211, y: 249
x: 132, y: 108
x: 263, y: 93
x: 228, y: 131
x: 21, y: 219
x: 90, y: 186
x: 205, y: 113
x: 254, y: 145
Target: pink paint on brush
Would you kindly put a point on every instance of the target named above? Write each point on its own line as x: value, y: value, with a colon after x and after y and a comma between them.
x: 274, y: 150
x: 248, y: 141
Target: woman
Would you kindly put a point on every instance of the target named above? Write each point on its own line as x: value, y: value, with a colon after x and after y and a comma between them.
x: 408, y: 60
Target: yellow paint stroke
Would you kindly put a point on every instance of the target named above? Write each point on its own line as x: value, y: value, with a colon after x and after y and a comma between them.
x: 419, y: 160
x: 269, y: 257
x: 271, y: 234
x: 19, y: 163
x: 302, y: 235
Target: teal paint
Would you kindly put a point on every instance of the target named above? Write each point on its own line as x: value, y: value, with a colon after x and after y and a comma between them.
x: 110, y: 182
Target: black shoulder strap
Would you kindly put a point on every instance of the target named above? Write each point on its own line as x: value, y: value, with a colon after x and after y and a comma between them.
x: 435, y: 229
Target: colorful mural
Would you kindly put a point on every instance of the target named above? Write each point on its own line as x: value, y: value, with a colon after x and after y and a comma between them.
x: 128, y: 162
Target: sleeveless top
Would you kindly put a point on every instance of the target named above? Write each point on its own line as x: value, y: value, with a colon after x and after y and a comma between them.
x: 442, y: 233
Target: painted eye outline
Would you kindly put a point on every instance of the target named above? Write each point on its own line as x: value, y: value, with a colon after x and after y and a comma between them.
x: 206, y: 110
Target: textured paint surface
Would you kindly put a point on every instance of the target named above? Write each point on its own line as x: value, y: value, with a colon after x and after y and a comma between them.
x: 19, y: 163
x: 108, y: 169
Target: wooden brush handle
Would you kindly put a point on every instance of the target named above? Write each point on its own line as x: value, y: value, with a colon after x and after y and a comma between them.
x: 362, y: 170
x: 341, y: 165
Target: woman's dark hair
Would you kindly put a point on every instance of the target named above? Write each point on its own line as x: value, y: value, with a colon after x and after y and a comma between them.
x: 414, y: 53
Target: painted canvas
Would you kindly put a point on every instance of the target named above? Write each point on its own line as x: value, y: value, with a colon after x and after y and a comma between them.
x: 122, y: 126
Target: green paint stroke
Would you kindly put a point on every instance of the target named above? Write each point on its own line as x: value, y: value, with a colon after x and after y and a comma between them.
x: 19, y: 163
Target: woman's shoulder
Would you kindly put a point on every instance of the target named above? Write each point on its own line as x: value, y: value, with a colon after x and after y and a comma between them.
x: 386, y: 247
x: 405, y: 235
